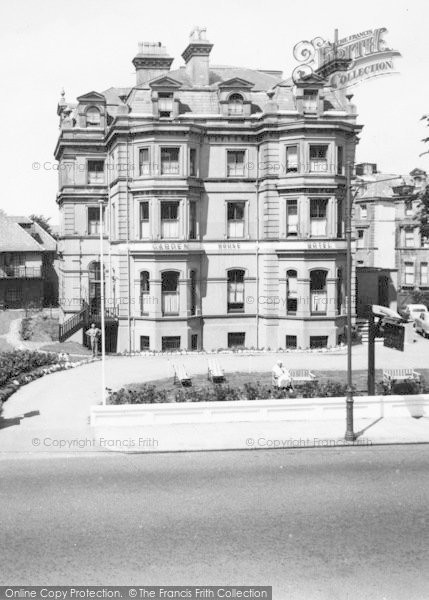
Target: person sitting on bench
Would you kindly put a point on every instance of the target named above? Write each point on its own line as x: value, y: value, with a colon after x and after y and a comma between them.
x: 281, y: 376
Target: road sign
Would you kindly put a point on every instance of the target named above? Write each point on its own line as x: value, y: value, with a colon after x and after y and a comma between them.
x: 394, y: 335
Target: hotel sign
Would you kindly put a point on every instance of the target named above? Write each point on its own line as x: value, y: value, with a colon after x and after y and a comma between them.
x: 347, y: 61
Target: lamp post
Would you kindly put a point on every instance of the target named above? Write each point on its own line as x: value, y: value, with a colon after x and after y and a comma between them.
x: 350, y: 435
x: 102, y: 303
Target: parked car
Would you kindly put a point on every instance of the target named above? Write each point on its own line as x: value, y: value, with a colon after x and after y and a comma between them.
x: 421, y: 324
x: 412, y: 311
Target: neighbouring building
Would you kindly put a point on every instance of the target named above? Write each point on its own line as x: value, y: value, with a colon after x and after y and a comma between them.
x: 392, y: 257
x: 28, y: 276
x: 222, y: 195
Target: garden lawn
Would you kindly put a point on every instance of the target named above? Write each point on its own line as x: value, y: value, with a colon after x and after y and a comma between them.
x: 238, y: 379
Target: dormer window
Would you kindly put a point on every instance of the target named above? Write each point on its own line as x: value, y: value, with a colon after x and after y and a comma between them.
x: 310, y: 100
x: 235, y: 105
x: 165, y: 105
x: 93, y: 117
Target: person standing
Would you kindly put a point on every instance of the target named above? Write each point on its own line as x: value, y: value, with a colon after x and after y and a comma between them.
x: 94, y: 335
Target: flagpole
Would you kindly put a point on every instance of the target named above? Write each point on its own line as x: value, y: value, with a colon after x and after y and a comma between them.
x: 102, y: 303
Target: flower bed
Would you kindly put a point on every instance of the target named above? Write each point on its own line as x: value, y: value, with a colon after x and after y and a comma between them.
x: 150, y: 394
x: 21, y: 367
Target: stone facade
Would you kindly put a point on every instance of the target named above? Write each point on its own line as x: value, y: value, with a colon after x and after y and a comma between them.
x: 223, y: 192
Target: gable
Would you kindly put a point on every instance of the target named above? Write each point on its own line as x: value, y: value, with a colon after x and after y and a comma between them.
x: 165, y: 82
x: 92, y: 97
x: 236, y: 83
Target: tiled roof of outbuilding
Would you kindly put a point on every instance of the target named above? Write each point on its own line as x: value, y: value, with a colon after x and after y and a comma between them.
x: 13, y: 238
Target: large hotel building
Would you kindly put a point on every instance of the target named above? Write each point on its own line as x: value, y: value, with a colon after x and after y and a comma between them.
x: 223, y: 198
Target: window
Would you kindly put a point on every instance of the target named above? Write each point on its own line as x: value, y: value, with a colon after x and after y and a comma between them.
x: 94, y: 277
x: 94, y: 220
x: 144, y: 292
x: 170, y: 342
x: 192, y: 162
x: 340, y: 218
x: 318, y: 223
x: 113, y: 221
x: 235, y: 105
x: 291, y: 341
x: 339, y: 291
x: 235, y: 215
x: 318, y: 158
x: 291, y: 292
x: 340, y: 160
x: 144, y: 343
x: 95, y: 171
x: 193, y: 278
x: 361, y: 238
x: 408, y: 208
x: 144, y: 220
x: 318, y: 295
x: 194, y: 341
x: 170, y: 161
x: 424, y: 277
x: 292, y: 218
x: 144, y: 161
x: 93, y: 117
x: 408, y: 273
x: 235, y: 163
x: 310, y: 100
x: 236, y: 339
x: 169, y: 220
x: 165, y: 104
x: 318, y: 341
x: 409, y: 238
x: 192, y: 220
x: 363, y: 211
x: 236, y: 290
x: 291, y: 159
x: 170, y: 293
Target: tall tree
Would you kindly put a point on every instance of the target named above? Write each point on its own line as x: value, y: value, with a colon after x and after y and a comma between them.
x: 43, y: 222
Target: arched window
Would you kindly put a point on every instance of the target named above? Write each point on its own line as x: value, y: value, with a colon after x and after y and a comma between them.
x: 236, y: 290
x: 291, y: 292
x: 144, y: 292
x: 93, y: 117
x: 318, y: 295
x: 235, y: 104
x: 170, y: 292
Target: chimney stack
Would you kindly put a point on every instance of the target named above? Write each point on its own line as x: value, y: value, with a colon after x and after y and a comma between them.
x: 151, y: 61
x: 196, y: 57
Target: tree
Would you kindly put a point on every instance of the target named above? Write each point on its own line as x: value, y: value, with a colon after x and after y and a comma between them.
x: 43, y: 222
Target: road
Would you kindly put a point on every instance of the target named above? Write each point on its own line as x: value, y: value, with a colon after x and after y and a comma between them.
x: 349, y: 523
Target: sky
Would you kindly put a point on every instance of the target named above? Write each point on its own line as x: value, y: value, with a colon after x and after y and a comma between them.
x: 88, y: 45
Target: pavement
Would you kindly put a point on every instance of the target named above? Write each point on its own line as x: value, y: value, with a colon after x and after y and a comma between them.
x: 342, y: 524
x: 58, y: 405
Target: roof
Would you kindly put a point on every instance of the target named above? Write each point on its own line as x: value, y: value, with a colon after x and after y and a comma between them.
x: 33, y: 230
x: 379, y: 188
x: 13, y: 238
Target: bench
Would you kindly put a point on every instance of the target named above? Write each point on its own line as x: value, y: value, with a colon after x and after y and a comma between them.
x: 215, y: 372
x: 181, y: 376
x: 302, y: 376
x: 390, y: 375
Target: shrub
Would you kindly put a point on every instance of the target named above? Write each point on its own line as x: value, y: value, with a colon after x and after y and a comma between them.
x: 13, y: 364
x: 25, y: 330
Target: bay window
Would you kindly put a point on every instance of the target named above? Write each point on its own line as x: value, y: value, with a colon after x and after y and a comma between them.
x: 144, y: 292
x: 318, y: 158
x: 292, y: 218
x: 96, y: 171
x: 170, y: 161
x: 291, y: 292
x: 318, y: 292
x: 169, y: 220
x: 170, y: 293
x: 318, y: 222
x: 144, y: 220
x: 291, y: 159
x: 144, y: 164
